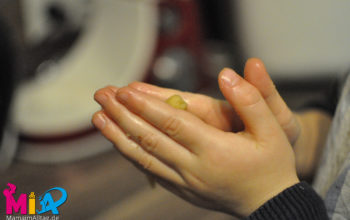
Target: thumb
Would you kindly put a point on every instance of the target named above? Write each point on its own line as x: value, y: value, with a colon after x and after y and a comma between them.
x: 248, y: 103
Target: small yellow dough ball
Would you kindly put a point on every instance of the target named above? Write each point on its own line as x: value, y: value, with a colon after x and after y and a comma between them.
x: 177, y: 102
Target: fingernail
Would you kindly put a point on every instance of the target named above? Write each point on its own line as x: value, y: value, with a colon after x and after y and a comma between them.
x: 229, y: 77
x: 101, y: 98
x: 99, y: 121
x: 123, y: 96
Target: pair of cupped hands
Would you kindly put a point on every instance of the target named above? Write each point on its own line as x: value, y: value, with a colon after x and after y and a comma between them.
x: 231, y: 156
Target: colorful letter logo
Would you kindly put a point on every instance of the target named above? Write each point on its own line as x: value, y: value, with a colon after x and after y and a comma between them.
x: 46, y: 201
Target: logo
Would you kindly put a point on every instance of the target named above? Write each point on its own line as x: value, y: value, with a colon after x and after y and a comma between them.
x: 26, y: 204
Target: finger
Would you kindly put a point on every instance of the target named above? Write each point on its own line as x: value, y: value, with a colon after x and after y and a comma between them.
x: 158, y: 92
x: 132, y: 151
x: 148, y: 137
x: 255, y: 73
x: 112, y: 88
x: 215, y: 112
x: 248, y: 103
x: 180, y: 125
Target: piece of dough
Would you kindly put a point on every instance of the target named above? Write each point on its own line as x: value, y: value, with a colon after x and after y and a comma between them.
x: 177, y: 102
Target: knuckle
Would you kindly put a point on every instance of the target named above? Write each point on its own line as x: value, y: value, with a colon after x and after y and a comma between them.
x: 271, y: 96
x: 285, y: 117
x: 251, y: 96
x: 150, y: 142
x: 279, y: 110
x: 110, y: 87
x: 115, y: 112
x: 194, y: 181
x: 146, y: 162
x: 172, y: 126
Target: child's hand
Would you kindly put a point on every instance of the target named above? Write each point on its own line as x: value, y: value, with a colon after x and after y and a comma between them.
x: 220, y: 114
x: 231, y: 172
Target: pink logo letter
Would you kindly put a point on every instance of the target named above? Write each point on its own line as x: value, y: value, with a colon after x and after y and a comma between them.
x: 11, y: 202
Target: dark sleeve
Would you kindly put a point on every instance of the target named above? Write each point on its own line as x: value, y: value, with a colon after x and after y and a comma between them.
x: 299, y: 201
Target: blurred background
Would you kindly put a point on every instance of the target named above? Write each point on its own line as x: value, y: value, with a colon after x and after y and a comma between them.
x: 56, y: 53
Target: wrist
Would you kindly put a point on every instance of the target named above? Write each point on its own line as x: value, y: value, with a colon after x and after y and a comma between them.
x: 273, y: 189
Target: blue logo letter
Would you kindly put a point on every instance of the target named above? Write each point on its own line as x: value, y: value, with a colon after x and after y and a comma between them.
x: 48, y: 204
